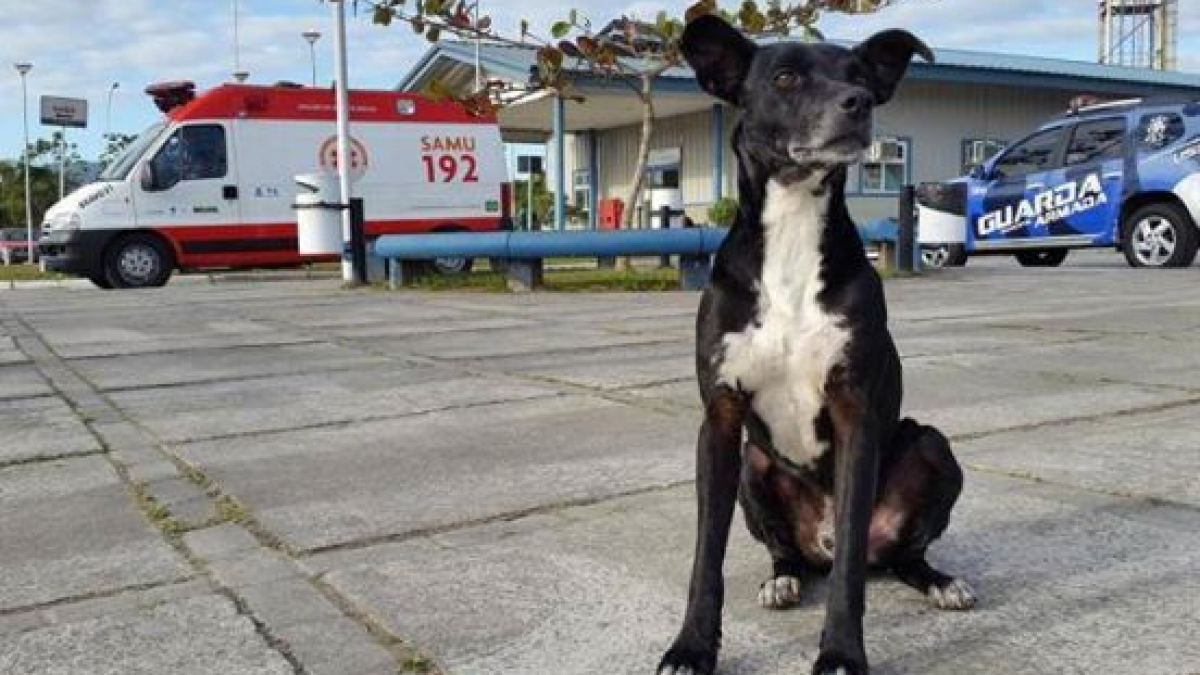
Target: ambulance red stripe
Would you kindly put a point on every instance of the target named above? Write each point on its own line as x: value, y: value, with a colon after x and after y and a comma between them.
x: 310, y: 104
x: 275, y: 243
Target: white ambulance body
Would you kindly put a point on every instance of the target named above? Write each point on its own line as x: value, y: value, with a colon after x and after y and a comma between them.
x: 212, y: 184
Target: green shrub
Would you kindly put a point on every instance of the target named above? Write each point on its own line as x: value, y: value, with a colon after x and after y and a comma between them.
x: 723, y: 212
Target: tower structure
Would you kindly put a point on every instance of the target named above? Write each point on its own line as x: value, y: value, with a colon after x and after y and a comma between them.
x: 1139, y: 33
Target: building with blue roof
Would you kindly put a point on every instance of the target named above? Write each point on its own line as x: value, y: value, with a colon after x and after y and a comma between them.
x: 946, y: 116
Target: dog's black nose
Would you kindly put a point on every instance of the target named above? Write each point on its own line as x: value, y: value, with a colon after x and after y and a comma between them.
x: 856, y: 103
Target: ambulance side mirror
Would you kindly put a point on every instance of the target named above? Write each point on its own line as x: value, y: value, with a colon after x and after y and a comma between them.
x: 146, y: 177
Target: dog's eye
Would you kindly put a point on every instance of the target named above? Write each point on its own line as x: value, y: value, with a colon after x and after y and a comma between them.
x: 785, y: 79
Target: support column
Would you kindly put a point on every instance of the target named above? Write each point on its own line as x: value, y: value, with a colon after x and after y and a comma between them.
x: 560, y: 159
x: 718, y: 151
x: 593, y: 179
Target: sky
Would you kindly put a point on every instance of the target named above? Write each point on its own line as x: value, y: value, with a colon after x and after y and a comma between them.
x: 79, y: 48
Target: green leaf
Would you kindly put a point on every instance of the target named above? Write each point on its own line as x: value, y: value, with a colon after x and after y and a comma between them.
x: 382, y: 16
x: 560, y: 29
x: 524, y: 28
x: 433, y: 34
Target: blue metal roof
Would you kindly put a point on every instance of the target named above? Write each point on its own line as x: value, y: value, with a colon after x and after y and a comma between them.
x: 952, y: 65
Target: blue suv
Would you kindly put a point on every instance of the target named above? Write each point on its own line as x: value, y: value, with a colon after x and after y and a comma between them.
x: 1124, y: 174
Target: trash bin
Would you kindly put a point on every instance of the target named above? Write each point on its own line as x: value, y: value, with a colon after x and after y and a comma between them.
x: 319, y: 214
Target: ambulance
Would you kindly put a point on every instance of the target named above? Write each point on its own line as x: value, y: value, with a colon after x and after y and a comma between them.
x: 1120, y: 174
x: 212, y: 184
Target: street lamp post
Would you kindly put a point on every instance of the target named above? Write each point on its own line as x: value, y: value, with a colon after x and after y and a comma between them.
x: 311, y: 36
x: 23, y: 67
x: 108, y: 109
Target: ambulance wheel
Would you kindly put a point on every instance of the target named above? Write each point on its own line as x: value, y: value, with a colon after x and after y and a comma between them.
x: 1046, y: 257
x: 944, y: 255
x: 138, y: 261
x: 449, y: 267
x: 1159, y: 235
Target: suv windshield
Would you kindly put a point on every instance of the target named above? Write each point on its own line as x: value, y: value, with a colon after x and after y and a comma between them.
x: 120, y: 167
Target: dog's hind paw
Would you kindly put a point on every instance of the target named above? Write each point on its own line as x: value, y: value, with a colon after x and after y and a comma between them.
x: 955, y: 594
x: 680, y: 661
x: 782, y: 592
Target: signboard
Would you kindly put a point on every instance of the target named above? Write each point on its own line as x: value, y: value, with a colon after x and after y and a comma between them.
x: 64, y: 112
x: 664, y: 158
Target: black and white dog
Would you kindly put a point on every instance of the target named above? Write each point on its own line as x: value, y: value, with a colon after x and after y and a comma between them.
x: 792, y: 347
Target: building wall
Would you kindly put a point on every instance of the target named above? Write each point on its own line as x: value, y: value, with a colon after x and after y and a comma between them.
x: 935, y: 117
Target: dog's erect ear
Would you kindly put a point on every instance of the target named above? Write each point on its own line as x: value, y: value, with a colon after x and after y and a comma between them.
x: 719, y: 54
x: 886, y: 56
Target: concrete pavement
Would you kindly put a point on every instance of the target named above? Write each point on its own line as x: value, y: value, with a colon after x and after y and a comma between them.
x: 293, y: 478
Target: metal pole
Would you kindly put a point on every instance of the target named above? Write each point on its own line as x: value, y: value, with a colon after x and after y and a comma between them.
x: 24, y: 68
x: 311, y: 36
x: 237, y: 48
x: 108, y: 109
x: 529, y: 200
x: 343, y: 127
x: 62, y: 162
x: 312, y: 49
x: 560, y: 152
x: 478, y: 66
x: 906, y: 230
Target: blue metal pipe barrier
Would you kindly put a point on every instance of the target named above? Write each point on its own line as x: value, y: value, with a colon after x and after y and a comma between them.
x: 516, y: 245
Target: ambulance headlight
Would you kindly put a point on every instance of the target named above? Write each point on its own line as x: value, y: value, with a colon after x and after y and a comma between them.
x: 65, y: 221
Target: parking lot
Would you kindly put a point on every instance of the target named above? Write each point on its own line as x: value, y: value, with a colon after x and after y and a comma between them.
x: 289, y: 477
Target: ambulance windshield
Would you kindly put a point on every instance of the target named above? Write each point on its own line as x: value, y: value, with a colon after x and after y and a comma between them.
x: 119, y: 168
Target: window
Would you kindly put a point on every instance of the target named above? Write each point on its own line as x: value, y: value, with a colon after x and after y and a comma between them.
x: 976, y: 151
x: 1158, y: 130
x: 662, y: 177
x: 1036, y: 153
x: 191, y: 153
x: 885, y: 167
x: 1097, y: 141
x: 581, y: 192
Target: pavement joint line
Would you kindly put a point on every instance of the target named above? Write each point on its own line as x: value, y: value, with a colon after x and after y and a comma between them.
x: 408, y: 657
x: 95, y: 595
x: 228, y: 510
x: 507, y: 516
x: 1079, y: 419
x: 119, y: 389
x: 39, y: 459
x: 337, y: 424
x: 263, y: 630
x: 190, y: 350
x: 1151, y: 500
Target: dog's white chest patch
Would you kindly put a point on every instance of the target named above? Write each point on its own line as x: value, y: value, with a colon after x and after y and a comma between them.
x: 784, y: 358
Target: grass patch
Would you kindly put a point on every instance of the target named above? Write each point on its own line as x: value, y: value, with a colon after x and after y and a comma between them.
x: 158, y: 514
x: 27, y: 273
x: 230, y: 511
x: 561, y: 280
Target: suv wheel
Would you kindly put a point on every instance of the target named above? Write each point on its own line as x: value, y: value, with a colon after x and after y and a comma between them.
x: 1159, y: 235
x: 944, y: 255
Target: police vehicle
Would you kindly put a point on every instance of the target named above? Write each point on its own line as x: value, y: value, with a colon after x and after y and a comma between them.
x: 1122, y: 174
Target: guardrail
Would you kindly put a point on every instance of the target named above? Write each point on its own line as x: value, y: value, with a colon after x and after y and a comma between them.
x: 524, y: 252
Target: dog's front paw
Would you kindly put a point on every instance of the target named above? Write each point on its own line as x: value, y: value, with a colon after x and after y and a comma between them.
x: 833, y: 663
x: 955, y: 594
x: 680, y: 660
x: 782, y: 592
